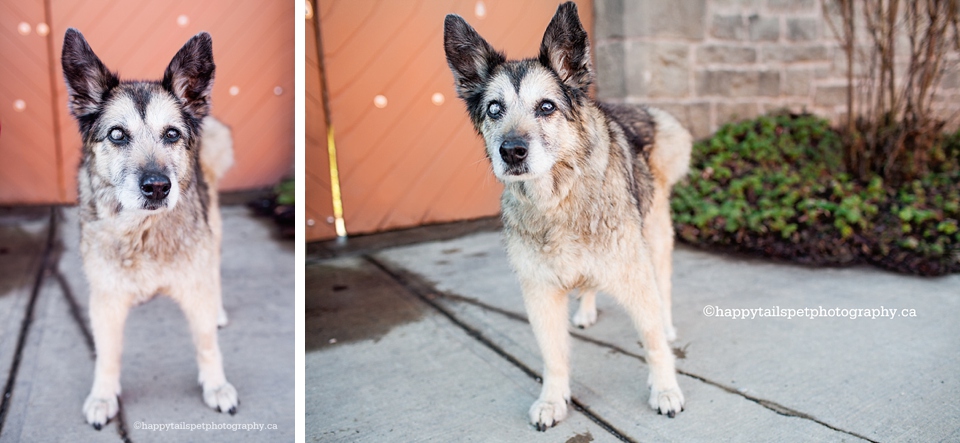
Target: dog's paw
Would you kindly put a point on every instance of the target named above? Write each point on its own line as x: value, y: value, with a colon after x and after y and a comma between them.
x: 100, y: 410
x: 670, y: 332
x: 667, y: 402
x: 546, y: 414
x: 223, y: 398
x: 585, y: 318
x: 222, y: 319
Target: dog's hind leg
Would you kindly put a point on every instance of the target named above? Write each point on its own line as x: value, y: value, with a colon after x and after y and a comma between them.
x: 547, y: 310
x: 201, y: 304
x: 658, y: 233
x: 637, y: 291
x: 222, y: 319
x: 108, y: 314
x: 586, y: 314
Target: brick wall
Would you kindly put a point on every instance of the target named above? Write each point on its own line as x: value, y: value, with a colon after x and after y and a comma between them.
x: 710, y: 62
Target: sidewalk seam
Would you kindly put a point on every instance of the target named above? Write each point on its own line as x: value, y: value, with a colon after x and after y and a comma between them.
x: 88, y: 339
x: 427, y: 292
x: 27, y: 320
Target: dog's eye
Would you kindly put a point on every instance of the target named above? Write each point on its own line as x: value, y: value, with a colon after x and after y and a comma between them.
x: 494, y: 110
x: 547, y: 107
x: 171, y: 136
x: 117, y: 136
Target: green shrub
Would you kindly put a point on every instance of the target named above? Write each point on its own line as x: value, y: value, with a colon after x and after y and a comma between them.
x: 776, y: 185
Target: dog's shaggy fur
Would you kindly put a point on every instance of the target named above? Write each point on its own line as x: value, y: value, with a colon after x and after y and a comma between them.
x: 149, y: 217
x: 586, y: 196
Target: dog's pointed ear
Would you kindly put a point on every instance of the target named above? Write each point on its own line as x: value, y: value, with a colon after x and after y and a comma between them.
x: 566, y: 49
x: 88, y: 79
x: 470, y: 57
x: 190, y: 75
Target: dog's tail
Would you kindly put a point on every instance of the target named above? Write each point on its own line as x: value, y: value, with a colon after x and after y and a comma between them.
x: 216, y: 152
x: 670, y: 159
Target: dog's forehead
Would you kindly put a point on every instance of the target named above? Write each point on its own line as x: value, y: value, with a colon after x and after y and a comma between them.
x: 525, y: 83
x: 142, y: 106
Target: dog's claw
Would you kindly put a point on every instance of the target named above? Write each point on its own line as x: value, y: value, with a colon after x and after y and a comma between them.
x: 97, y: 426
x: 671, y: 414
x: 233, y: 410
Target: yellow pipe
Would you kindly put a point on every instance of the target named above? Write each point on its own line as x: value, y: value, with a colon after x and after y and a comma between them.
x: 335, y: 185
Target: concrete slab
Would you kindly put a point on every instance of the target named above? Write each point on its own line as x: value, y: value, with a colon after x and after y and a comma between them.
x: 159, y: 376
x: 612, y: 385
x: 53, y: 378
x: 23, y: 237
x: 415, y: 376
x: 871, y: 377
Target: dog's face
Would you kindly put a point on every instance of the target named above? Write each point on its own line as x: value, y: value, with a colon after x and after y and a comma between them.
x: 528, y: 111
x: 142, y: 138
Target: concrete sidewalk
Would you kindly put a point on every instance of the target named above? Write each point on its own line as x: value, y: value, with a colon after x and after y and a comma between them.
x: 45, y: 343
x: 429, y: 342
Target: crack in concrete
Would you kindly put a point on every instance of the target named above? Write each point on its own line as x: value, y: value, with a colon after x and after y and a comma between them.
x: 77, y: 315
x: 426, y: 290
x: 27, y: 320
x: 49, y: 266
x: 422, y: 290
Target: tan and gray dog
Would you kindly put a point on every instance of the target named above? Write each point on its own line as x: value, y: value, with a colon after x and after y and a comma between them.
x: 149, y: 219
x: 586, y: 193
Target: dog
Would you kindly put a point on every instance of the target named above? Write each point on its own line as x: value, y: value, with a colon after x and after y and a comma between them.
x: 149, y: 216
x: 585, y: 204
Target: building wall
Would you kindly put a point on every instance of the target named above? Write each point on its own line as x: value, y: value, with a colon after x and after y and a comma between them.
x: 710, y: 62
x: 253, y: 46
x: 415, y: 159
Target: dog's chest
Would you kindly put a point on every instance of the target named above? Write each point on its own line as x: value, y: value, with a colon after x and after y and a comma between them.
x: 146, y: 243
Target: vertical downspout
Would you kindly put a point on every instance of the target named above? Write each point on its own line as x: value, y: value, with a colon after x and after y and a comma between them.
x: 331, y: 142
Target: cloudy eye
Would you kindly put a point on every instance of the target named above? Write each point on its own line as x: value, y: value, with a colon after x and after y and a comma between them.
x: 171, y: 136
x: 547, y: 107
x: 117, y: 136
x: 494, y: 110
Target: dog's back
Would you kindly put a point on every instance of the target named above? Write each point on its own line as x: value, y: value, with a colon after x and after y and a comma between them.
x: 656, y: 136
x: 216, y: 152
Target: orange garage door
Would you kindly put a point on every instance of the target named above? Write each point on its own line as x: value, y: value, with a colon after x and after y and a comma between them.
x: 253, y: 93
x: 407, y: 153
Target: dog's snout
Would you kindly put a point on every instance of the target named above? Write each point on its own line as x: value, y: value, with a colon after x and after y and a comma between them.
x: 154, y: 186
x: 513, y: 151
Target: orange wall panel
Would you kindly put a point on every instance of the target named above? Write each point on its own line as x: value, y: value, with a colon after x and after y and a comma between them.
x: 28, y: 150
x: 416, y: 160
x: 253, y: 45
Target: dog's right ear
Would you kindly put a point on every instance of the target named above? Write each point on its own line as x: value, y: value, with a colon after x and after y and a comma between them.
x: 470, y: 57
x: 88, y: 80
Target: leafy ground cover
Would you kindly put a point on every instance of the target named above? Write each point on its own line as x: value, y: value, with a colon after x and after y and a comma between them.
x: 775, y: 186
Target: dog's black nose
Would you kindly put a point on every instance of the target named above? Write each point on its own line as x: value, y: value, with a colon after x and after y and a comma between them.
x: 154, y: 186
x: 513, y: 151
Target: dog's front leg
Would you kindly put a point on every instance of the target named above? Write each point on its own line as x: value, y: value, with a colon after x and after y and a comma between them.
x: 108, y: 314
x: 547, y: 310
x: 201, y: 304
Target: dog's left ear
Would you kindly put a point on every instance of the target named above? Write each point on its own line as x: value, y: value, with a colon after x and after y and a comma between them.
x: 190, y: 75
x: 566, y: 49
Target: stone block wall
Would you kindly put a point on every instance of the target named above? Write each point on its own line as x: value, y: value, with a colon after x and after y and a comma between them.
x: 709, y: 62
